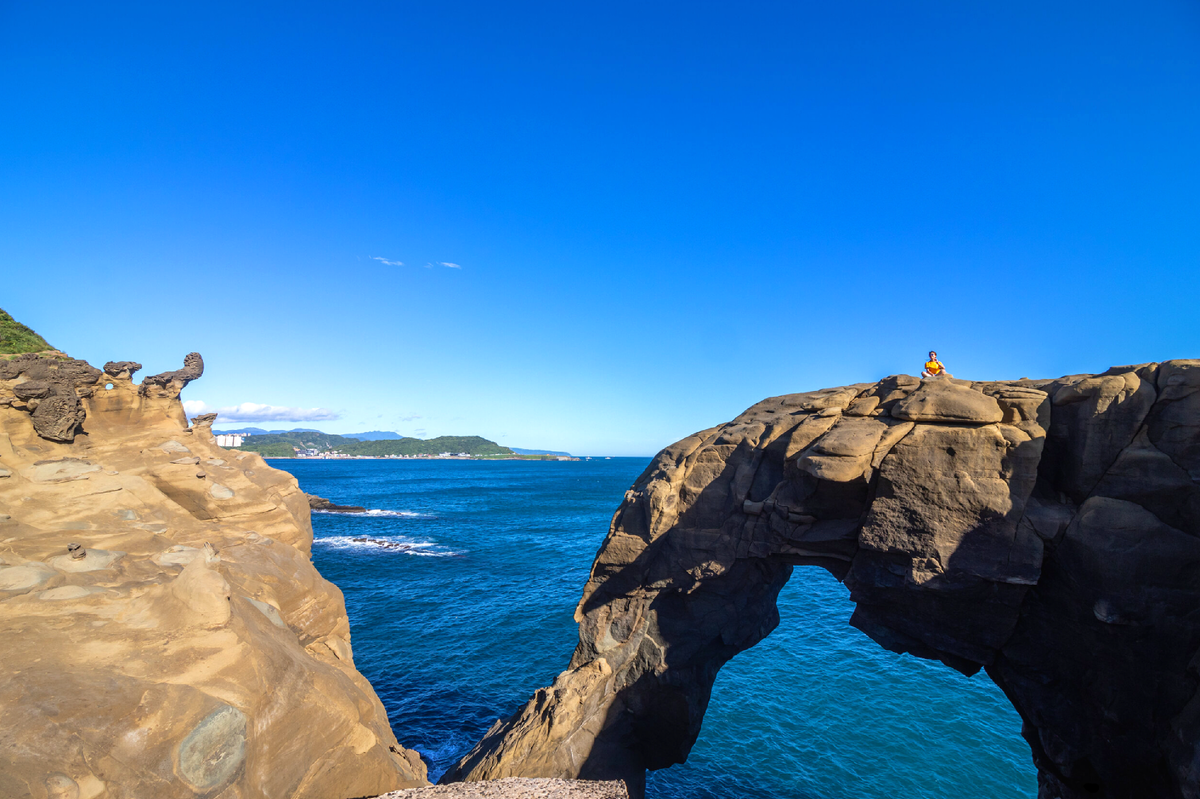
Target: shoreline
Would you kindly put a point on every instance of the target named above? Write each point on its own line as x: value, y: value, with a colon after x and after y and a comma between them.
x: 552, y: 458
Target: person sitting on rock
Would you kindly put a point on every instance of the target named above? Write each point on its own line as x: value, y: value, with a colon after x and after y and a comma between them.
x: 933, y: 367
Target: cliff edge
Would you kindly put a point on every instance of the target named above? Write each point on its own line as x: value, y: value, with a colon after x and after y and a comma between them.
x: 166, y: 633
x: 1047, y: 531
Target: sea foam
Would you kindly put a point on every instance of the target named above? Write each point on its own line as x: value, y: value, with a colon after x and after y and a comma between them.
x: 399, y: 544
x: 378, y: 514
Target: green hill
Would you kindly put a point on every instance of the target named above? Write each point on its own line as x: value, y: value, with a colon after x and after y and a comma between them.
x: 16, y: 338
x: 280, y: 445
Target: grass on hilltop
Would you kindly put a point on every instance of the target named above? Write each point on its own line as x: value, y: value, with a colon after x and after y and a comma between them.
x: 16, y: 338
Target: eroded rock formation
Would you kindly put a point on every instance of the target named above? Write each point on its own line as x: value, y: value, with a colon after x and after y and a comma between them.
x: 1047, y: 531
x: 165, y: 632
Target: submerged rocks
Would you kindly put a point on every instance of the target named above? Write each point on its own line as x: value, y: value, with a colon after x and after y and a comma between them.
x: 320, y: 503
x: 1046, y: 531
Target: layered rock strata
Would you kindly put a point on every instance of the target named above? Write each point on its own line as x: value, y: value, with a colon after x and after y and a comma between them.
x: 166, y: 633
x: 1047, y: 531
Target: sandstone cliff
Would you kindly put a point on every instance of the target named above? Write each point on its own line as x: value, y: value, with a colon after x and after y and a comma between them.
x: 165, y: 632
x: 1047, y: 531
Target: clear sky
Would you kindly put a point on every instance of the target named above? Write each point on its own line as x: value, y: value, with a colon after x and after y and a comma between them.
x: 596, y: 227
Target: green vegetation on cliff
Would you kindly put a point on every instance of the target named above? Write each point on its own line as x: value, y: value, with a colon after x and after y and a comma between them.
x: 280, y: 445
x: 16, y: 338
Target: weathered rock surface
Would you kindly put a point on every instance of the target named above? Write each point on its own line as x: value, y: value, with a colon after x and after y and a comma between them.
x: 1046, y: 531
x: 50, y: 390
x: 187, y: 647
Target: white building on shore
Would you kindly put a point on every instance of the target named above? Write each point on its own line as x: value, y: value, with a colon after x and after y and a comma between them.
x: 230, y: 439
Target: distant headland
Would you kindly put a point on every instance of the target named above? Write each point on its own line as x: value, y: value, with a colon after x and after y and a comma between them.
x: 301, y: 443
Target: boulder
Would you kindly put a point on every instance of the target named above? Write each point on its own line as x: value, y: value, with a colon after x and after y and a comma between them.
x: 844, y: 452
x: 941, y: 399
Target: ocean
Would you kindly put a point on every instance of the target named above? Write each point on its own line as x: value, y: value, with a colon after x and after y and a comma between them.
x: 461, y: 584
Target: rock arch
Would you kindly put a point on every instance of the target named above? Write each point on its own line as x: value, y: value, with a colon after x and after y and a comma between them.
x: 1047, y: 531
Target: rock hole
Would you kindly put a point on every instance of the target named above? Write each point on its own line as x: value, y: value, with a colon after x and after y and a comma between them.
x: 108, y: 386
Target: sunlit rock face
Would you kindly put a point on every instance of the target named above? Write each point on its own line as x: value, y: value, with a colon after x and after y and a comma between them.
x: 1047, y: 531
x: 165, y: 632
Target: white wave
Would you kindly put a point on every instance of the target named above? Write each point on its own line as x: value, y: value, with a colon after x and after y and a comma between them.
x: 378, y: 514
x: 404, y: 546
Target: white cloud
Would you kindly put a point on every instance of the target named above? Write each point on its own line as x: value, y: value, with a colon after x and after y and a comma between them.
x: 254, y: 412
x: 428, y: 265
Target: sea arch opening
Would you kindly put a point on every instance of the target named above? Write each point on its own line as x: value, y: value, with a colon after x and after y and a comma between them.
x: 818, y: 709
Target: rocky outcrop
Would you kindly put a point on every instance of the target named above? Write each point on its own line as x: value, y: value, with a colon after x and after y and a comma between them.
x: 320, y: 503
x: 1047, y: 531
x: 167, y: 384
x: 166, y: 633
x: 50, y: 390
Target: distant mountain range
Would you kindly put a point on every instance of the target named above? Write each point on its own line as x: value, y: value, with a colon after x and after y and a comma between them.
x: 520, y: 451
x: 258, y: 431
x: 279, y: 443
x: 282, y: 445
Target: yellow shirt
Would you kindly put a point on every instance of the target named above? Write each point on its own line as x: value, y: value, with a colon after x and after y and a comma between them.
x: 934, y: 367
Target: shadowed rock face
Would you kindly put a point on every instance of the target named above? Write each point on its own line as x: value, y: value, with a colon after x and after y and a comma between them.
x: 1047, y: 531
x: 50, y: 390
x: 188, y: 648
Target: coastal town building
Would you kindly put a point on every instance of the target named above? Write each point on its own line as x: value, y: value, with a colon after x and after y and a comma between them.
x: 230, y: 439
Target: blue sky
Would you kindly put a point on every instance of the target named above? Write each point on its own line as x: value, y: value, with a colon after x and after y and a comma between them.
x: 658, y: 213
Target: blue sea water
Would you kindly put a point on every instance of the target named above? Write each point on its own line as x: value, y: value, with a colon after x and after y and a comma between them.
x: 461, y: 603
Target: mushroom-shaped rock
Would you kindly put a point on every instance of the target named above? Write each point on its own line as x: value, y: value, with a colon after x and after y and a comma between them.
x: 204, y: 422
x: 169, y: 384
x: 943, y: 400
x: 121, y: 369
